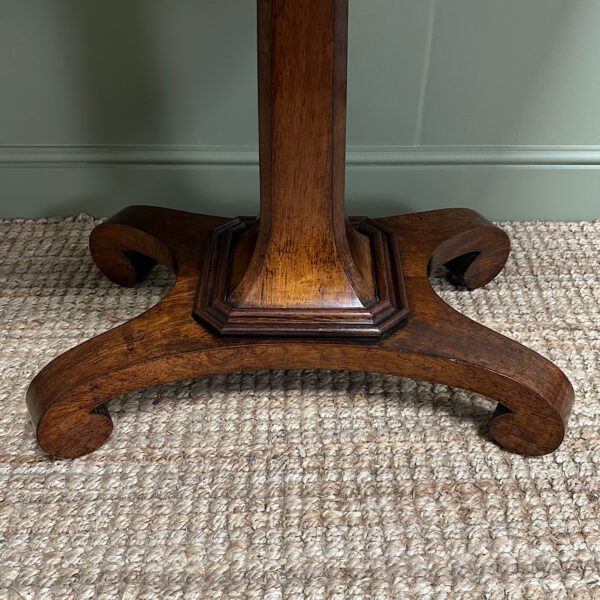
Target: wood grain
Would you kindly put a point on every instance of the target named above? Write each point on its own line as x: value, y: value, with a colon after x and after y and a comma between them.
x: 166, y: 344
x: 302, y: 240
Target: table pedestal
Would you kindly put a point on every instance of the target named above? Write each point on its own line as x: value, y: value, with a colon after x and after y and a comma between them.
x: 302, y: 286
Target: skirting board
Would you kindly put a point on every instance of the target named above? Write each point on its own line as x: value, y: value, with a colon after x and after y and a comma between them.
x: 518, y: 183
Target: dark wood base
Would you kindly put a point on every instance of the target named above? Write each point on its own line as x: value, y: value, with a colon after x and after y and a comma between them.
x: 228, y: 256
x: 433, y: 343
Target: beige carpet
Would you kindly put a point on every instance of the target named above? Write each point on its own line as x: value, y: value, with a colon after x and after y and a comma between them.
x: 299, y: 485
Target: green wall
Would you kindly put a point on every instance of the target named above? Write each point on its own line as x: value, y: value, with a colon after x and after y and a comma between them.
x: 483, y: 103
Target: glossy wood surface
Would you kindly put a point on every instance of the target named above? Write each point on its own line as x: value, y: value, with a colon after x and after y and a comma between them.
x: 166, y: 344
x: 302, y: 256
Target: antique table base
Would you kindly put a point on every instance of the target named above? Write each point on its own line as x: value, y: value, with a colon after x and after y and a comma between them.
x: 301, y: 287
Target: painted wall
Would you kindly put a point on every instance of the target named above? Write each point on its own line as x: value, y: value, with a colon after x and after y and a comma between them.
x: 481, y: 103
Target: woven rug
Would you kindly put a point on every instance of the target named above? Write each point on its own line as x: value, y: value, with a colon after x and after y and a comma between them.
x: 299, y: 485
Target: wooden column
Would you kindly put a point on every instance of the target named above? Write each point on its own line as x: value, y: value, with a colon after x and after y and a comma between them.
x: 302, y: 256
x: 305, y: 256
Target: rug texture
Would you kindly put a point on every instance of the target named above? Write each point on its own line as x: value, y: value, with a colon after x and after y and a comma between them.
x: 299, y: 485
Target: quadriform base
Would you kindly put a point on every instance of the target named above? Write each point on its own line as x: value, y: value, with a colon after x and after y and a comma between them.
x: 166, y: 344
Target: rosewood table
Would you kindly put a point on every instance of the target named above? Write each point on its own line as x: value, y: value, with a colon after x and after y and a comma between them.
x: 302, y: 286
